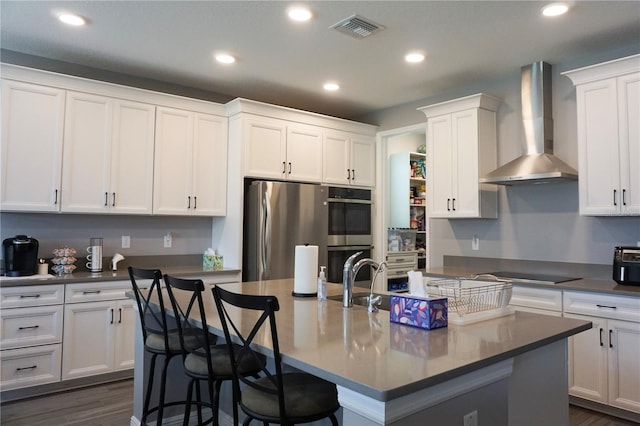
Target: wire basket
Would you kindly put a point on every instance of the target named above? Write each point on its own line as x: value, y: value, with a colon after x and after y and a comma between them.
x: 470, y: 296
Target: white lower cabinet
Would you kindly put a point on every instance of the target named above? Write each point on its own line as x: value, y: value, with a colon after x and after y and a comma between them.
x: 32, y: 366
x: 30, y: 335
x: 603, y: 362
x: 98, y: 334
x: 537, y: 300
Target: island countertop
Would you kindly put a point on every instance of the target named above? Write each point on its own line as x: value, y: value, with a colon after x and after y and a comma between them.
x: 364, y: 352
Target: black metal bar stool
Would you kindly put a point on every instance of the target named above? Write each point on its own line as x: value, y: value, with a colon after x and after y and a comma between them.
x: 281, y: 398
x: 205, y: 361
x: 159, y: 333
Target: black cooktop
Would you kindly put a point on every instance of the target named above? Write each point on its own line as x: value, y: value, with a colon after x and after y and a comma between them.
x: 532, y: 277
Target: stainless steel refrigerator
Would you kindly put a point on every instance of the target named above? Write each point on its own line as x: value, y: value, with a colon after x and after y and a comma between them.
x: 277, y: 217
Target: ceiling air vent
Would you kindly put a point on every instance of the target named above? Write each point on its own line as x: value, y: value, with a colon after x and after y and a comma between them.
x: 356, y: 26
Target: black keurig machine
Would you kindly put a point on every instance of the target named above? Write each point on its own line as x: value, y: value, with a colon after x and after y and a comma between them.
x: 20, y: 255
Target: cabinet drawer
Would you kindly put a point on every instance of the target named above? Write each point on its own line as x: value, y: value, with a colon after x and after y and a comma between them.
x: 32, y: 295
x: 401, y: 257
x: 23, y: 327
x: 93, y: 292
x: 30, y: 366
x: 602, y: 305
x: 397, y: 273
x: 538, y: 298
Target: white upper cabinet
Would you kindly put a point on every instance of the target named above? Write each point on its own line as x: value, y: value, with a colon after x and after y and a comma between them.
x: 290, y: 145
x: 277, y: 149
x: 108, y: 155
x: 608, y: 103
x: 461, y: 147
x: 190, y: 163
x: 348, y: 159
x: 32, y: 137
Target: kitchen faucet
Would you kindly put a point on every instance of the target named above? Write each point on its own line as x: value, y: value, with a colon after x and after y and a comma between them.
x: 349, y: 273
x: 374, y: 302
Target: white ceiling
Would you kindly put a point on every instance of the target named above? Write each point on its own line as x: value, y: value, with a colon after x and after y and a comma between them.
x: 286, y: 64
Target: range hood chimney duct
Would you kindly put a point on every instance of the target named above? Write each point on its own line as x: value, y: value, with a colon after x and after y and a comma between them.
x: 537, y: 164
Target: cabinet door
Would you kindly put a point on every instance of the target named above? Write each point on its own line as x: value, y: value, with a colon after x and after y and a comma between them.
x: 440, y: 166
x: 304, y: 154
x: 28, y: 149
x: 173, y: 161
x: 131, y: 186
x: 88, y: 343
x: 599, y: 156
x: 629, y: 111
x: 336, y: 163
x: 209, y: 166
x: 363, y: 159
x: 624, y: 365
x: 588, y: 361
x: 125, y: 327
x: 265, y: 148
x: 464, y: 127
x: 87, y: 153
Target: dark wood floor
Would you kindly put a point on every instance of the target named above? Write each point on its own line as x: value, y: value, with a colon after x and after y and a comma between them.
x: 112, y: 405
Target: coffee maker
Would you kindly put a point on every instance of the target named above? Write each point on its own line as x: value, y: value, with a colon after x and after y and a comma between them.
x: 20, y: 255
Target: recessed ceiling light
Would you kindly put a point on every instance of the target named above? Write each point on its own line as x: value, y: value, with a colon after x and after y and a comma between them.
x: 331, y: 87
x: 555, y: 9
x: 71, y: 19
x: 225, y: 58
x: 414, y: 57
x: 299, y: 14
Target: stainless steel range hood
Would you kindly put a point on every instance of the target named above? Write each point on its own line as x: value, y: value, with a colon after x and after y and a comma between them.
x: 537, y: 164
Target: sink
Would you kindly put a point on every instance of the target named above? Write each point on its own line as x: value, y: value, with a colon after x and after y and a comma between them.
x: 362, y: 299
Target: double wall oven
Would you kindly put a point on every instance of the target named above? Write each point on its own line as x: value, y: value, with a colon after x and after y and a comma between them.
x: 350, y: 214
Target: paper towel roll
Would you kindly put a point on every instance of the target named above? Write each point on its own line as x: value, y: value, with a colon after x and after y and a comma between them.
x: 305, y: 272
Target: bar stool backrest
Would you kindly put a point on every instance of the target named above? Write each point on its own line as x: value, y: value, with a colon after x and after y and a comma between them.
x: 150, y: 302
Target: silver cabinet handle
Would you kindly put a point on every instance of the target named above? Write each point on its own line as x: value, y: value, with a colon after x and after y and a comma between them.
x: 448, y: 204
x: 289, y: 167
x: 114, y: 200
x: 348, y: 174
x: 614, y: 197
x: 29, y: 328
x: 91, y: 292
x: 601, y: 344
x: 453, y: 204
x: 55, y: 201
x: 111, y: 315
x: 624, y: 198
x: 284, y: 165
x: 353, y: 174
x: 29, y: 296
x: 189, y: 201
x: 119, y: 315
x: 195, y: 202
x: 106, y: 199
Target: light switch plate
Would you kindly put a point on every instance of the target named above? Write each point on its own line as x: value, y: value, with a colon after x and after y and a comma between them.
x: 475, y: 243
x: 126, y: 241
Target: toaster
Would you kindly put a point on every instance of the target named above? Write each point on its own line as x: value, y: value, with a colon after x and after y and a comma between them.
x: 626, y: 265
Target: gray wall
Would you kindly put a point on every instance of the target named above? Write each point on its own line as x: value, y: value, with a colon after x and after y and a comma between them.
x: 190, y: 235
x: 534, y: 222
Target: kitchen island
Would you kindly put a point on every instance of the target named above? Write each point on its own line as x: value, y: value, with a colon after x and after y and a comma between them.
x: 509, y: 370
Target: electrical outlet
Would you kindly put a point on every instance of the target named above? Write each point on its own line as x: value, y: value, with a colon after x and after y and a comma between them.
x: 470, y: 419
x: 126, y: 241
x: 475, y: 243
x: 167, y: 240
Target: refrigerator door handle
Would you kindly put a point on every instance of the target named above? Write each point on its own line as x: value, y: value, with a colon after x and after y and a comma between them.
x: 265, y: 235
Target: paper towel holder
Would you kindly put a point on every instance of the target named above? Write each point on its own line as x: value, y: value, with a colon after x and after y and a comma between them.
x: 305, y: 282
